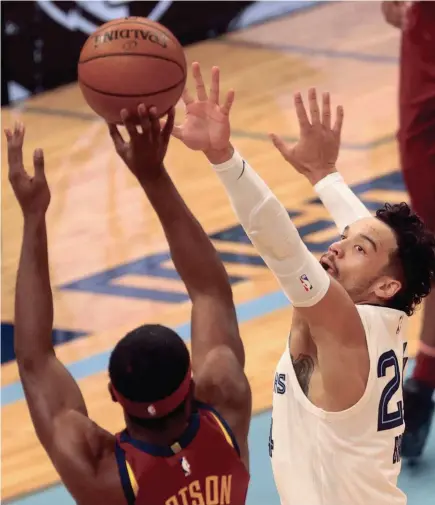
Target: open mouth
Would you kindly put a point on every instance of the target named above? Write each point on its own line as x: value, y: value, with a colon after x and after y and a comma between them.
x: 328, y: 266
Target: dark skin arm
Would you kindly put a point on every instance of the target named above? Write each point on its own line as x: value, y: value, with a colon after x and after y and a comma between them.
x: 78, y: 448
x: 218, y: 356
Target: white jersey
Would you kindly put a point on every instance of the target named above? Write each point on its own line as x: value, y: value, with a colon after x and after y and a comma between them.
x: 350, y: 457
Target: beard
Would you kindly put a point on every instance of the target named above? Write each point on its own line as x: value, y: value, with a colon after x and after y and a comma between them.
x: 359, y: 290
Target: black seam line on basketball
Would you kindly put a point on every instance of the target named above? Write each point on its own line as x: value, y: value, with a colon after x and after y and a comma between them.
x: 172, y: 37
x: 155, y: 56
x: 132, y: 95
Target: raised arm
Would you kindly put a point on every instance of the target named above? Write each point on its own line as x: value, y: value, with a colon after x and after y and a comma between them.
x: 339, y: 200
x: 265, y: 220
x: 218, y: 356
x: 55, y: 402
x: 276, y: 239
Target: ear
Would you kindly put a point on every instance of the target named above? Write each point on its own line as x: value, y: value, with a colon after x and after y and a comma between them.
x: 109, y: 386
x: 386, y: 287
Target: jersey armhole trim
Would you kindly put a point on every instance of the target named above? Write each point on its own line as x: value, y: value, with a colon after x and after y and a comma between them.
x: 223, y: 425
x: 128, y: 480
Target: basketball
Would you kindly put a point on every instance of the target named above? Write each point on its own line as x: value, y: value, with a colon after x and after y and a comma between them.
x: 130, y: 61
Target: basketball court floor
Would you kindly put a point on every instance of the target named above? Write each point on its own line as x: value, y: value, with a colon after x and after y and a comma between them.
x: 110, y: 265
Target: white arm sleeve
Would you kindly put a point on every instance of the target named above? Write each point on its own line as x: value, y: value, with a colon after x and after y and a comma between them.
x: 340, y: 201
x: 273, y: 234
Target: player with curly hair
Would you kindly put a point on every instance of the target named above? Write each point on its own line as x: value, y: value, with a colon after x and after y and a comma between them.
x: 337, y: 421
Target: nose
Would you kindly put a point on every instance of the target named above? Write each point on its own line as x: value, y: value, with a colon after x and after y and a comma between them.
x: 336, y: 249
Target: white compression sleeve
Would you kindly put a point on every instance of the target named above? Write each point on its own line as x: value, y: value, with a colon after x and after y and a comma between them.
x: 273, y: 234
x: 340, y: 201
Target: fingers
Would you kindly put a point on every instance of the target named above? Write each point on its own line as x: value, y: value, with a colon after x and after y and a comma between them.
x: 38, y: 163
x: 128, y: 122
x: 200, y: 88
x: 338, y: 121
x: 118, y: 141
x: 186, y: 97
x: 154, y: 123
x: 214, y: 88
x: 169, y: 125
x: 177, y: 130
x: 15, y: 141
x: 279, y: 143
x: 314, y: 107
x: 228, y: 103
x: 326, y: 111
x: 149, y: 123
x: 301, y: 113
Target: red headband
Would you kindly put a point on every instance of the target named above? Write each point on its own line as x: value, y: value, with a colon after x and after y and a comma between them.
x: 159, y: 408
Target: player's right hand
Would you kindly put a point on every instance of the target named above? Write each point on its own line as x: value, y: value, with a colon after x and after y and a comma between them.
x: 206, y: 125
x: 145, y: 151
x: 316, y: 152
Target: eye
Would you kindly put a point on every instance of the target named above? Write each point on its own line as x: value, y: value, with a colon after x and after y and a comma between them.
x: 360, y: 249
x: 343, y: 237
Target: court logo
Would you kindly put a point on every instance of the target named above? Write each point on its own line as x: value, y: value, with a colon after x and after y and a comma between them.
x: 157, y: 265
x: 305, y: 282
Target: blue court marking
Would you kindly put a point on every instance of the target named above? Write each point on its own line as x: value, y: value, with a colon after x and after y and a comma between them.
x: 99, y: 362
x: 310, y: 51
x: 104, y: 282
x: 150, y: 266
x: 7, y: 339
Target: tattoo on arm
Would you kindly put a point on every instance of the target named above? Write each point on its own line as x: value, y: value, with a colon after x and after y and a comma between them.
x: 303, y: 366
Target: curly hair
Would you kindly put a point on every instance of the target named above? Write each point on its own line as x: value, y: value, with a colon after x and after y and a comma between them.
x: 415, y: 255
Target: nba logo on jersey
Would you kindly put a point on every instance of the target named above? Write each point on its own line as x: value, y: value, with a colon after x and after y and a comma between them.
x: 305, y: 282
x: 185, y: 466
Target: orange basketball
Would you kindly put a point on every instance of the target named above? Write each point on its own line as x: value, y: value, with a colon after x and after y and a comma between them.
x: 130, y: 61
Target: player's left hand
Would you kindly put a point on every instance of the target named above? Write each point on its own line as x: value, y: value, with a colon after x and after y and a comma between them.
x: 316, y: 152
x: 32, y: 193
x: 146, y: 150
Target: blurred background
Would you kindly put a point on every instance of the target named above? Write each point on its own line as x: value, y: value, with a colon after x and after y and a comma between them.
x: 31, y: 32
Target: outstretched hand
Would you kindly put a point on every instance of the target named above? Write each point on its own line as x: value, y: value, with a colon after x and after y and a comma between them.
x: 145, y: 151
x: 316, y: 152
x: 396, y: 13
x: 206, y: 125
x: 32, y: 193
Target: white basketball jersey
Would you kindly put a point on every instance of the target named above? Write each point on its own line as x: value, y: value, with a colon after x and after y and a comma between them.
x: 350, y: 457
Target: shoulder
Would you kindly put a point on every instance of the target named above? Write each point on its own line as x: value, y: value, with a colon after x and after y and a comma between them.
x: 222, y: 380
x: 214, y: 418
x: 378, y: 318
